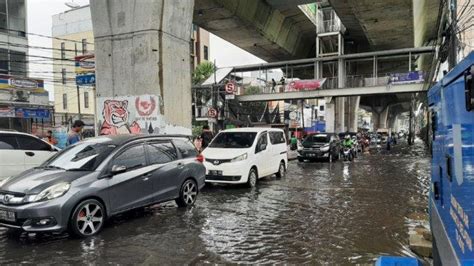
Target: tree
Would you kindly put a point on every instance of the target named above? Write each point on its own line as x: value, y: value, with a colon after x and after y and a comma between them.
x: 202, y: 72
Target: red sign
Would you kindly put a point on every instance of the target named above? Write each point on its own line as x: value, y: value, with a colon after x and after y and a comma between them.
x: 306, y: 84
x: 212, y: 113
x: 230, y: 87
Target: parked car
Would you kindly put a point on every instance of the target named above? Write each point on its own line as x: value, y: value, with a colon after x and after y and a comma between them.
x: 90, y: 181
x: 320, y: 145
x: 22, y: 151
x: 244, y: 155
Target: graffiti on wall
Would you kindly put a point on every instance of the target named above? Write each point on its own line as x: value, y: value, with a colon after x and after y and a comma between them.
x: 132, y: 114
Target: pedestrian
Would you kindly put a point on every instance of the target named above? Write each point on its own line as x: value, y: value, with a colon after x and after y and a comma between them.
x: 198, y: 143
x: 389, y: 140
x: 293, y: 142
x: 74, y: 135
x: 50, y: 138
x: 206, y: 137
x: 282, y: 82
x: 273, y: 85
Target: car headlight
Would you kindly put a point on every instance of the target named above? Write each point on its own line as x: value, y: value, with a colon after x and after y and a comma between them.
x: 52, y: 192
x: 239, y: 158
x: 325, y: 148
x: 5, y: 180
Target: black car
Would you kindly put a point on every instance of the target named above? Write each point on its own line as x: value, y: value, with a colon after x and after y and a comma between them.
x: 320, y: 145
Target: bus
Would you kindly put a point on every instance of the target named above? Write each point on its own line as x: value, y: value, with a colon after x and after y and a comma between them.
x: 451, y: 206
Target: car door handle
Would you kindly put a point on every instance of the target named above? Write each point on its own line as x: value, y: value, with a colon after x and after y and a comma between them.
x: 180, y: 165
x: 146, y: 177
x: 30, y: 153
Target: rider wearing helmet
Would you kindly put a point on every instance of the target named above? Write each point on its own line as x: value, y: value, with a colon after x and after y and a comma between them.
x: 348, y: 142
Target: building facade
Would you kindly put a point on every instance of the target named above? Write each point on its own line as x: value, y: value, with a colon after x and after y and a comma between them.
x: 200, y: 46
x: 24, y: 104
x: 73, y: 36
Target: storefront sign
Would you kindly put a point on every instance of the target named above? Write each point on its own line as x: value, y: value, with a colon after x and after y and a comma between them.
x: 7, y: 111
x: 83, y: 80
x: 31, y: 113
x: 13, y: 82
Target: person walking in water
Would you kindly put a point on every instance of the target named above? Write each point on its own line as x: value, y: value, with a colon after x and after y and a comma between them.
x: 206, y: 137
x: 74, y: 135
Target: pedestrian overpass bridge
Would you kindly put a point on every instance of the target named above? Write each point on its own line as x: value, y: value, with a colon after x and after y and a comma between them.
x: 340, y: 92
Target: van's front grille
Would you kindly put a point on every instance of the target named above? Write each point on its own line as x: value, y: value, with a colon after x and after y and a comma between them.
x: 218, y: 161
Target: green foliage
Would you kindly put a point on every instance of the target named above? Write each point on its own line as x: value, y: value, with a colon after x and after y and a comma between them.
x: 253, y: 108
x: 202, y: 72
x: 252, y: 90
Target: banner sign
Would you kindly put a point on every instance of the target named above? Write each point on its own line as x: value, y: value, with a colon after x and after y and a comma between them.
x: 85, y: 64
x: 407, y: 78
x: 305, y: 84
x: 31, y: 113
x: 23, y: 83
x: 7, y: 111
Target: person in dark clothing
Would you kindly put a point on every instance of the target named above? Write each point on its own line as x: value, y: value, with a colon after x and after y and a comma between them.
x: 274, y: 83
x: 206, y: 137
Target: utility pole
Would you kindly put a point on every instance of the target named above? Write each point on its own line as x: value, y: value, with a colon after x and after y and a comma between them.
x: 78, y: 92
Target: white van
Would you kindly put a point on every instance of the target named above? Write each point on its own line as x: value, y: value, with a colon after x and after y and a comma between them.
x: 243, y: 155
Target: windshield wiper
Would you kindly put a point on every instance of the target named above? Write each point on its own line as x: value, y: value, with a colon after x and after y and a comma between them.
x: 77, y: 169
x: 49, y: 167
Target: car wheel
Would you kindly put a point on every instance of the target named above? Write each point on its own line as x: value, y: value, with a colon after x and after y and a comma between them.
x: 252, y: 180
x: 187, y: 194
x: 87, y: 219
x: 281, y: 170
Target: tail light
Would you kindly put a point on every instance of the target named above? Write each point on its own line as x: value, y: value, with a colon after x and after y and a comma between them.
x: 200, y: 158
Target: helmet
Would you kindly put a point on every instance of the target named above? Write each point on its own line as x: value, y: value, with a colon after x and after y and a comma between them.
x: 347, y: 137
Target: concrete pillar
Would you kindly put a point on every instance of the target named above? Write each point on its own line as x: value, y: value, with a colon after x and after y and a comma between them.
x: 352, y: 113
x: 375, y: 120
x: 329, y: 114
x: 339, y: 114
x: 383, y: 118
x: 142, y: 50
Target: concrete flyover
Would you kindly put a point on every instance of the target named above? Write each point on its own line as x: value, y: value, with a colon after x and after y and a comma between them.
x: 272, y: 30
x: 342, y: 92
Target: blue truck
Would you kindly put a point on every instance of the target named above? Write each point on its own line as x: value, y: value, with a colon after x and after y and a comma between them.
x: 451, y: 206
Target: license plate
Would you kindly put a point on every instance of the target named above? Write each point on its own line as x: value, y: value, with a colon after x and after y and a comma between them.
x: 311, y: 155
x: 215, y: 172
x: 7, y: 216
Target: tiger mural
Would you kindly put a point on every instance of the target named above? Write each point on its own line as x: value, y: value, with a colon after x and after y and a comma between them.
x: 115, y: 115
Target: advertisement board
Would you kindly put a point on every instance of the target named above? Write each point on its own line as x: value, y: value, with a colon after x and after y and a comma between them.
x: 23, y: 83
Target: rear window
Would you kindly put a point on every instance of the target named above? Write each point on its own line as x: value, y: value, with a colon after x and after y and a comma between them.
x: 317, y: 139
x: 277, y: 137
x: 233, y: 140
x: 186, y: 148
x: 8, y: 142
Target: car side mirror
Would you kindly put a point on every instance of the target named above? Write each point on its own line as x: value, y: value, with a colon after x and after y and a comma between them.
x: 118, y: 169
x: 469, y: 90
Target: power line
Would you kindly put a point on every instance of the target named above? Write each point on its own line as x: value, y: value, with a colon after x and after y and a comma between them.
x: 44, y: 36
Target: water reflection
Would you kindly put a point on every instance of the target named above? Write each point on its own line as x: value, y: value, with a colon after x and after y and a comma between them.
x: 321, y: 213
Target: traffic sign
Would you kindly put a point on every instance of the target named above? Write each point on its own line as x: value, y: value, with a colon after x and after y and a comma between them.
x: 88, y: 79
x: 212, y: 113
x: 229, y: 96
x: 230, y: 87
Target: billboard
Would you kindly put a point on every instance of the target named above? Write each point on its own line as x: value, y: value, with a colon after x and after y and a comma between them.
x: 85, y: 64
x: 407, y: 78
x: 305, y: 84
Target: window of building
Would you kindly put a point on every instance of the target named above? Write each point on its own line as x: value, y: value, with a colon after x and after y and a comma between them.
x: 17, y: 63
x: 3, y: 6
x: 86, y: 99
x: 63, y: 75
x: 64, y: 101
x: 84, y: 46
x: 321, y: 108
x: 17, y: 17
x: 4, y: 68
x: 206, y: 52
x: 63, y: 50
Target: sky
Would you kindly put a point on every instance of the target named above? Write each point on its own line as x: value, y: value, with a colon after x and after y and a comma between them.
x: 40, y: 14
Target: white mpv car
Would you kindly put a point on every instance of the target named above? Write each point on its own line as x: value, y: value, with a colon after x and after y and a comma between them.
x: 22, y: 151
x: 243, y: 155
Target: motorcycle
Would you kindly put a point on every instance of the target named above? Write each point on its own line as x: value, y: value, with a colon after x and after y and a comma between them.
x: 347, y: 154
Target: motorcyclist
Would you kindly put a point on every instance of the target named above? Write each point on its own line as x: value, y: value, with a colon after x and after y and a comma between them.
x: 348, y: 142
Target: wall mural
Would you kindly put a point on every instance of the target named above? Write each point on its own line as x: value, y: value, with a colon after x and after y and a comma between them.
x: 133, y: 114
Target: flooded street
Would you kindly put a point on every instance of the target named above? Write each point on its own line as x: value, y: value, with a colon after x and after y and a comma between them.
x: 320, y: 213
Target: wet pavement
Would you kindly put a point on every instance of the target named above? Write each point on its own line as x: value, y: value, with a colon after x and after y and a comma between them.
x: 320, y: 213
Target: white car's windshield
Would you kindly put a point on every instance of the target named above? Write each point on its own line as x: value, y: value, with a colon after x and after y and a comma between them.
x: 233, y: 140
x: 82, y: 156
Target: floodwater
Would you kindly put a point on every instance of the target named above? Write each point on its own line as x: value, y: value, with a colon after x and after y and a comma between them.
x: 320, y: 213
